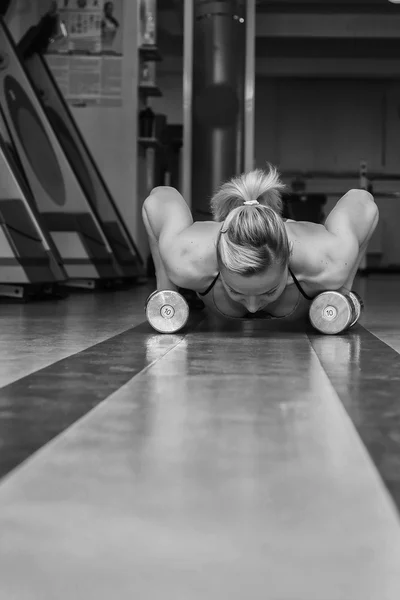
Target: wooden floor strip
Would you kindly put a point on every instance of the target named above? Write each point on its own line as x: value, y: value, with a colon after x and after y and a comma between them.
x: 36, y: 408
x: 365, y: 373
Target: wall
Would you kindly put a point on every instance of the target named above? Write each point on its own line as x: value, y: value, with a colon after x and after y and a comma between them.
x: 332, y: 125
x: 111, y: 134
x: 314, y: 124
x: 323, y: 124
x: 319, y: 124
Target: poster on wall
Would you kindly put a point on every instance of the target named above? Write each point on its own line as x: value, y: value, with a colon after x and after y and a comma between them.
x: 87, y: 64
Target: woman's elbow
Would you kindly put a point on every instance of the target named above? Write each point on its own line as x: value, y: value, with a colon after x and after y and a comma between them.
x: 163, y: 188
x: 373, y: 210
x: 362, y: 196
x: 371, y: 216
x: 369, y: 207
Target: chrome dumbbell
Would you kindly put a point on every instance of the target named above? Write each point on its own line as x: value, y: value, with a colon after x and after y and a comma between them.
x: 167, y: 311
x: 334, y: 312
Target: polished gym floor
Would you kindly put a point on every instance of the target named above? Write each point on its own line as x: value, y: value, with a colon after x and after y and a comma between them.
x: 248, y: 461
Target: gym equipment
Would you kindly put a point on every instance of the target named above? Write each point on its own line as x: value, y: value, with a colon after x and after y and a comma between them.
x: 31, y: 48
x: 167, y: 311
x: 363, y: 179
x: 356, y: 175
x: 218, y: 98
x: 333, y: 312
x: 73, y: 224
x: 29, y: 263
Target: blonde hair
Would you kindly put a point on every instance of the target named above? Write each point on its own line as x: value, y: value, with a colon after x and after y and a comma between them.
x: 253, y: 237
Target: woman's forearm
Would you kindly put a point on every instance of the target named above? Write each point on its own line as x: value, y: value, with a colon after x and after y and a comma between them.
x: 363, y: 249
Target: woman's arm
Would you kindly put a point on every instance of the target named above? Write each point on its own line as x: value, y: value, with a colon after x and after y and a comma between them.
x: 165, y: 215
x: 329, y: 255
x: 353, y: 217
x: 352, y: 223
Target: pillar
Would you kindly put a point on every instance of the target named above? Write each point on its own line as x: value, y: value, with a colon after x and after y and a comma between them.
x: 219, y: 53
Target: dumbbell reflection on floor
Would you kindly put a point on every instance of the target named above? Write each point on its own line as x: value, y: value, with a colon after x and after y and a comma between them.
x: 333, y: 312
x: 330, y: 312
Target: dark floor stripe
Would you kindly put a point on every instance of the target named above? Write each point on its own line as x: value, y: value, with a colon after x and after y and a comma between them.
x: 365, y: 373
x: 38, y: 407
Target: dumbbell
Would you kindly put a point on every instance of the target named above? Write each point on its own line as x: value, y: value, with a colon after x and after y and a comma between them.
x: 167, y: 311
x: 334, y: 312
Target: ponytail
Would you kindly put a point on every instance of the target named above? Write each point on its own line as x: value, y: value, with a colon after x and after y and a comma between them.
x: 253, y: 235
x: 255, y: 185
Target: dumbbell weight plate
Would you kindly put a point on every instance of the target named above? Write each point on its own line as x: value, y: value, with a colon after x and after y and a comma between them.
x: 358, y: 306
x: 331, y: 313
x: 167, y: 311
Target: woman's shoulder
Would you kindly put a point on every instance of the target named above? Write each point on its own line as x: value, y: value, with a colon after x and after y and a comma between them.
x: 199, y: 243
x: 195, y: 249
x: 311, y: 261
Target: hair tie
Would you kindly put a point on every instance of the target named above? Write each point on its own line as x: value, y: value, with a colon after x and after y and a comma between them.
x: 251, y: 202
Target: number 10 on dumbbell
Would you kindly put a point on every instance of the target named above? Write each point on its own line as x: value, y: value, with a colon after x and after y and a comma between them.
x: 167, y: 311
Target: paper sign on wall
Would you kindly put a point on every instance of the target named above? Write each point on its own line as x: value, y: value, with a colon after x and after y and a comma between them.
x: 88, y: 63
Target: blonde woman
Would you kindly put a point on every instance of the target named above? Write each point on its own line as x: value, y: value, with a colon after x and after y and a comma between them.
x: 249, y: 259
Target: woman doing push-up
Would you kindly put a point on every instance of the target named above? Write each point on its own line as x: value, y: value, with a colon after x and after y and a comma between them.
x: 249, y: 259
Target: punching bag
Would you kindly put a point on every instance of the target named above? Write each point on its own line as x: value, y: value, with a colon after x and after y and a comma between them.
x: 219, y: 50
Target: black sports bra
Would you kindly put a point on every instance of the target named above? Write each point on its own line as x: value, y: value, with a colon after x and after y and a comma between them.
x: 302, y: 292
x: 210, y: 287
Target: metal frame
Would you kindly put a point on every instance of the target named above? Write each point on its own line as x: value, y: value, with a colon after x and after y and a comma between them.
x: 187, y: 100
x: 249, y: 86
